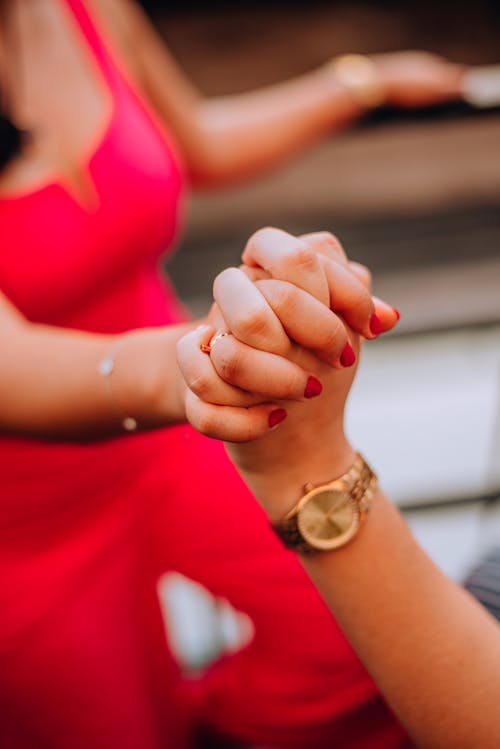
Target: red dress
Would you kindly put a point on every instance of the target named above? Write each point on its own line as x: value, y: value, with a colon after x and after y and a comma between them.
x: 87, y: 529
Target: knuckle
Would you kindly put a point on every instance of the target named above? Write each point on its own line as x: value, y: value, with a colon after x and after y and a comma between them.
x: 283, y: 295
x: 330, y: 241
x: 367, y: 274
x: 253, y: 324
x: 263, y: 235
x: 254, y: 273
x: 360, y: 297
x: 328, y: 238
x: 334, y: 335
x: 289, y: 384
x: 301, y: 256
x: 206, y: 423
x: 362, y: 273
x: 336, y: 245
x: 199, y: 415
x: 228, y: 365
x: 201, y: 384
x: 294, y: 385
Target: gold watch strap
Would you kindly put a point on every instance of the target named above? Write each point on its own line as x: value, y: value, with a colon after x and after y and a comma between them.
x: 360, y: 482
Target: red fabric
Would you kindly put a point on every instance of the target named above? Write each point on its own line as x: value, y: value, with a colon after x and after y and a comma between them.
x: 86, y: 530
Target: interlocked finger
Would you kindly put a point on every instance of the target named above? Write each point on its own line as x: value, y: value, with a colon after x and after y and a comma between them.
x: 287, y: 258
x: 233, y: 424
x: 234, y: 374
x: 327, y: 244
x: 200, y: 374
x: 273, y: 253
x: 350, y: 298
x: 267, y: 374
x: 308, y: 322
x: 247, y: 314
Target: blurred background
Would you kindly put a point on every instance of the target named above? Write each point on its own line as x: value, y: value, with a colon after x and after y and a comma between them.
x: 400, y: 192
x: 417, y: 198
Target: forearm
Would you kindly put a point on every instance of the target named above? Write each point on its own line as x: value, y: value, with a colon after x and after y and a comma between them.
x: 50, y: 383
x: 234, y: 137
x: 432, y: 649
x: 246, y: 134
x: 230, y: 138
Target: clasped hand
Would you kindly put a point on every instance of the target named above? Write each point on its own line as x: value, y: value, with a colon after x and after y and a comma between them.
x: 296, y: 310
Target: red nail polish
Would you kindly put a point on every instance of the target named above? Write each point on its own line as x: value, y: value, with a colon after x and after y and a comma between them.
x: 277, y: 416
x: 375, y: 325
x: 347, y: 357
x: 313, y: 388
x: 396, y: 312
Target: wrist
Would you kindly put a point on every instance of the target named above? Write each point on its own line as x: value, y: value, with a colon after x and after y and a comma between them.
x: 107, y: 371
x: 279, y: 484
x: 146, y: 383
x: 330, y: 514
x: 127, y: 379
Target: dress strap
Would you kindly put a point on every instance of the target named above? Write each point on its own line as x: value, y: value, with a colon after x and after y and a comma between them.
x: 89, y: 30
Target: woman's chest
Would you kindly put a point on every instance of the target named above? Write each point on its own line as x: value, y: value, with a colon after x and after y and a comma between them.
x: 100, y: 196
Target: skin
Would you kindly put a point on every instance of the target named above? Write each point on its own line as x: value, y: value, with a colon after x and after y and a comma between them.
x: 49, y: 383
x: 431, y: 648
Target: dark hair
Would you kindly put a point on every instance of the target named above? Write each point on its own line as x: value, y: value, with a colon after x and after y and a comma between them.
x: 11, y: 139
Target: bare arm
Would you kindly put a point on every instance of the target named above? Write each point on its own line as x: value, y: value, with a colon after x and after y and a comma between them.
x: 432, y: 649
x: 234, y: 137
x: 50, y: 383
x: 228, y: 138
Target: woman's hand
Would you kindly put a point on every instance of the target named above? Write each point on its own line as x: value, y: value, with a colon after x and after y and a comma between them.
x: 288, y: 354
x: 285, y: 336
x: 418, y: 79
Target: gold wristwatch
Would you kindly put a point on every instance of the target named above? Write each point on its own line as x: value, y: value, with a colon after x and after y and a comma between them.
x: 330, y: 515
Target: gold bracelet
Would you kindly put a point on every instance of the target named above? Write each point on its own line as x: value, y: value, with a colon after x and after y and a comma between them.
x: 106, y: 368
x: 359, y: 75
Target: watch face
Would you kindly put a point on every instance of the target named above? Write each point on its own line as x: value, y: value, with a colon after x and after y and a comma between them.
x: 328, y: 519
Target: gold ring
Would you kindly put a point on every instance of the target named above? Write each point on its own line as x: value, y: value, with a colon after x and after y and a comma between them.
x: 207, y: 347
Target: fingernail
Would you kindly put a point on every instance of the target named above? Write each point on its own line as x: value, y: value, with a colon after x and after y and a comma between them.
x: 313, y: 388
x: 375, y: 325
x: 277, y: 416
x: 347, y: 357
x: 396, y: 312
